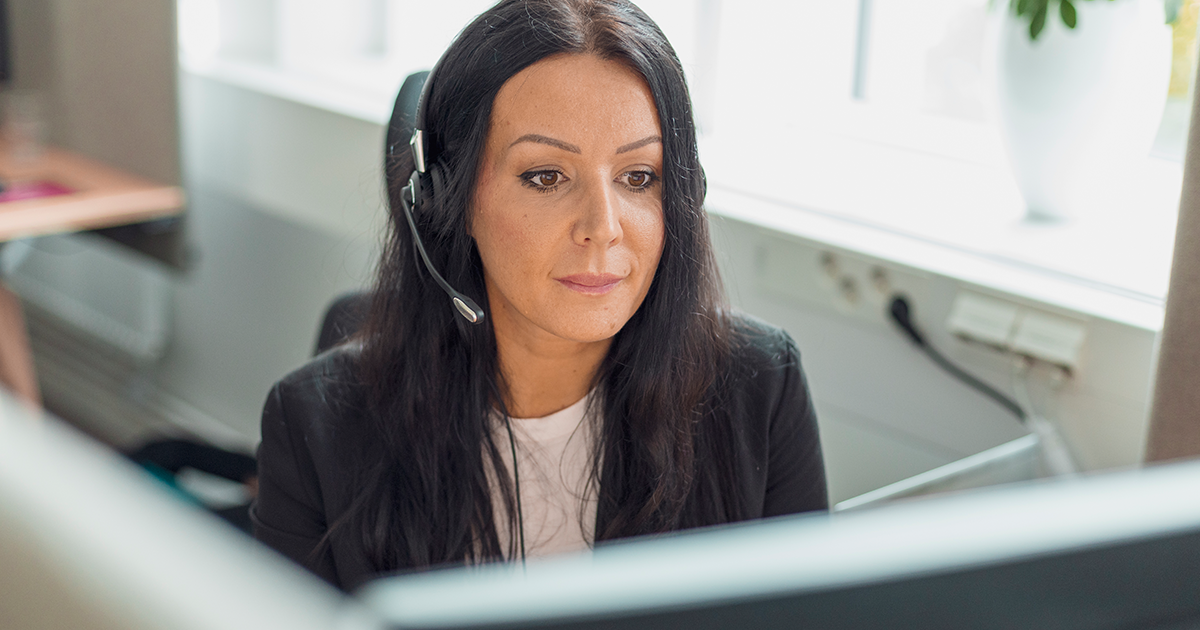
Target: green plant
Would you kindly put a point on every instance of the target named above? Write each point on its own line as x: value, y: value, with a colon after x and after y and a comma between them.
x: 1038, y: 11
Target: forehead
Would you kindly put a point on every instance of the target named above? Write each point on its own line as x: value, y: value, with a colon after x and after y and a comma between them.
x: 580, y: 99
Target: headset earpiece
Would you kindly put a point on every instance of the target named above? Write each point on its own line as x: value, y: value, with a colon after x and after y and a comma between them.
x: 413, y: 191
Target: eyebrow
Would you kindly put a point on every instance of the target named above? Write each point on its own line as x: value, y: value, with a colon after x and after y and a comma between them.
x: 566, y: 146
x: 639, y: 144
x: 540, y: 139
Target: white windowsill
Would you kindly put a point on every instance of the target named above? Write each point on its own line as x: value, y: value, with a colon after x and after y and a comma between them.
x: 959, y: 219
x: 951, y: 217
x: 975, y: 268
x: 368, y: 93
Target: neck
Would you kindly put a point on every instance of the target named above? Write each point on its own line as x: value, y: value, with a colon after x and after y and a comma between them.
x: 544, y: 373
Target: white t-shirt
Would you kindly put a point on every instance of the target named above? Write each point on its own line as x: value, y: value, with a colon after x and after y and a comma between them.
x: 558, y: 497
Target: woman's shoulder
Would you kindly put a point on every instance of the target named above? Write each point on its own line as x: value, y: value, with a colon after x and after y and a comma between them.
x: 763, y: 369
x: 756, y: 345
x: 338, y: 364
x: 323, y: 390
x: 769, y: 403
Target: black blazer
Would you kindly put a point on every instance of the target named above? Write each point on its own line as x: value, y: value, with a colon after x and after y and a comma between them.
x: 311, y: 429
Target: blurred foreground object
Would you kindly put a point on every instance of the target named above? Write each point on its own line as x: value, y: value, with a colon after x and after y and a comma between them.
x: 1119, y: 550
x: 88, y: 541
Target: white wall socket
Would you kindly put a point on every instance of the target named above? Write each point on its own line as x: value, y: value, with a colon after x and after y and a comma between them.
x: 1017, y: 328
x: 983, y: 319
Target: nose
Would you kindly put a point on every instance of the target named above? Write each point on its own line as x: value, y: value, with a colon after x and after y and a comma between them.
x: 599, y: 222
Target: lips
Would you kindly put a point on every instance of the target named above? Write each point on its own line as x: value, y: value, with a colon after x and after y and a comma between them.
x: 591, y: 284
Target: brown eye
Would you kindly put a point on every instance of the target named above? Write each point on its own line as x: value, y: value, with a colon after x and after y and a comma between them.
x: 639, y: 180
x: 543, y: 181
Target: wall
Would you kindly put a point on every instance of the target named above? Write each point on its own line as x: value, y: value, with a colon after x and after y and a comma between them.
x: 96, y: 76
x: 886, y: 411
x: 286, y: 216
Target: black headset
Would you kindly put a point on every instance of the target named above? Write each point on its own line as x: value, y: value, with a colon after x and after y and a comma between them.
x: 425, y: 182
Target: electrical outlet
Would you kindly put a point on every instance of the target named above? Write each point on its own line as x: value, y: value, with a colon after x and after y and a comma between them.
x: 850, y: 285
x: 1050, y: 338
x: 980, y: 318
x: 1018, y: 329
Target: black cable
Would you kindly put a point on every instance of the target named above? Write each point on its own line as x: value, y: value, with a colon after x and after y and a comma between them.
x: 512, y: 445
x: 902, y: 316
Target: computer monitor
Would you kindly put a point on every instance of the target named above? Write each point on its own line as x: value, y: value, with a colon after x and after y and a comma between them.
x: 88, y: 540
x: 1120, y: 550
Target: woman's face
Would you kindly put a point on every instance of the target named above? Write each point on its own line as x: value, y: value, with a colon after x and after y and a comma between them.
x: 568, y: 210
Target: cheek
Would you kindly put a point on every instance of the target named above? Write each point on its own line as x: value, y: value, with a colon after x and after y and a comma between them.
x: 493, y: 231
x: 648, y: 229
x: 511, y: 242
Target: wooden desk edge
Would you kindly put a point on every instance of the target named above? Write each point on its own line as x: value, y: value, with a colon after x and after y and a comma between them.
x: 105, y: 197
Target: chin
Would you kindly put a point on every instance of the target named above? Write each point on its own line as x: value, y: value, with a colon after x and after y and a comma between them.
x: 590, y: 327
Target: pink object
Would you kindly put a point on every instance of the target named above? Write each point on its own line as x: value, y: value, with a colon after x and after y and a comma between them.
x: 32, y: 190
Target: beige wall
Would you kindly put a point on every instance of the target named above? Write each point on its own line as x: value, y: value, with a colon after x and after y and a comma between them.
x: 106, y: 72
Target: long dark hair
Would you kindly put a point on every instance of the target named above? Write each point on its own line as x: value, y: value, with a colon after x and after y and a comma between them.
x: 432, y: 380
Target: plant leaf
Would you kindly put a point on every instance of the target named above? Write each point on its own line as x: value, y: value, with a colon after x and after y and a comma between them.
x: 1038, y: 22
x: 1172, y: 8
x: 1022, y: 6
x: 1067, y: 11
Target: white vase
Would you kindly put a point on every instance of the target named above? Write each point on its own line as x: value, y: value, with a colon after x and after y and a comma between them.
x: 1077, y: 107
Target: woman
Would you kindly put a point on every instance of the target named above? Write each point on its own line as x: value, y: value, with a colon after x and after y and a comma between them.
x: 606, y: 392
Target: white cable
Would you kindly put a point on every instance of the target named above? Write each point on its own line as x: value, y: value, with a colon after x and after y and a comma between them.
x: 1056, y: 455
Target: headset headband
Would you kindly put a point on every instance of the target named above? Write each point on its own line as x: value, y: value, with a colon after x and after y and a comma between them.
x: 417, y: 142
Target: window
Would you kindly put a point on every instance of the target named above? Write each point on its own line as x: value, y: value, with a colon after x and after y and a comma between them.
x: 906, y: 72
x: 876, y: 111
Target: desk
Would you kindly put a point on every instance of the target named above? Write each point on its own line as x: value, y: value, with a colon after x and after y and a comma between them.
x: 100, y: 196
